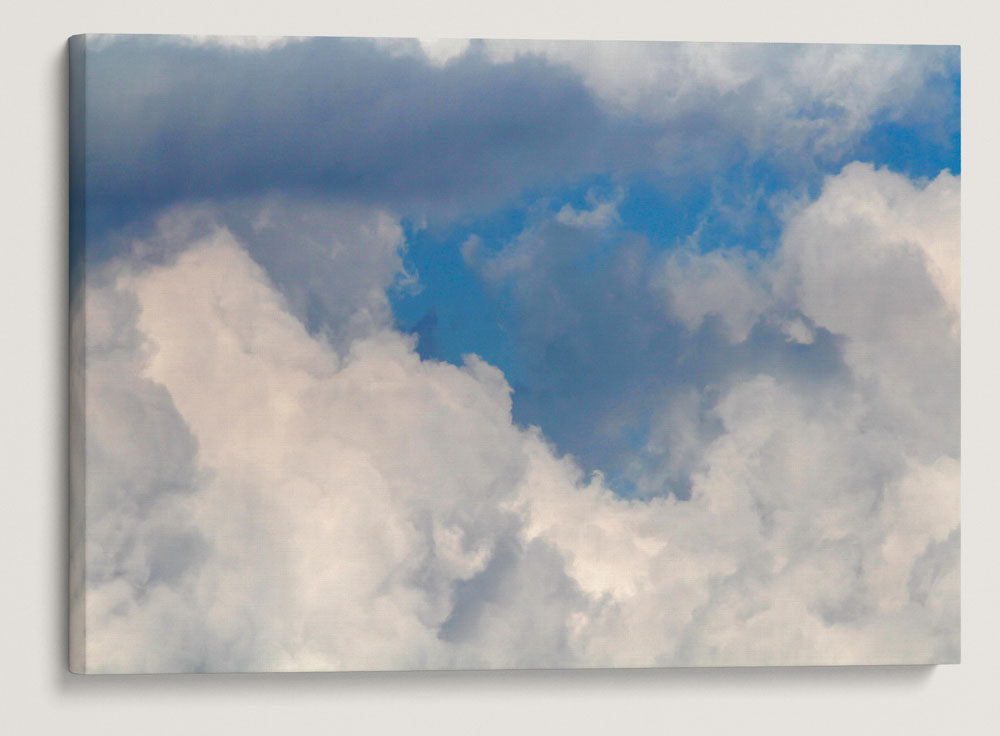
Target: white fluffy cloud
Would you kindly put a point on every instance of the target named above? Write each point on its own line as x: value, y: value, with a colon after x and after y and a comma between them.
x: 891, y: 287
x: 724, y: 284
x: 337, y: 498
x: 260, y: 497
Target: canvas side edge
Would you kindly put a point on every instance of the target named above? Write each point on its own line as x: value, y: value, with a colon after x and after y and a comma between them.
x: 77, y: 353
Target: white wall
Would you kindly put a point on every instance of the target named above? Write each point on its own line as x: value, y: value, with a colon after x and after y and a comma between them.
x: 39, y: 696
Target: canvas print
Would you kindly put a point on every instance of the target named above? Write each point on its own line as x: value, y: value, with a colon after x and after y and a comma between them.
x: 393, y: 354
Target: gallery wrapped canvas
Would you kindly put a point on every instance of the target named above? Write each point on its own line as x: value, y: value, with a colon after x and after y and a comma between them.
x: 406, y: 354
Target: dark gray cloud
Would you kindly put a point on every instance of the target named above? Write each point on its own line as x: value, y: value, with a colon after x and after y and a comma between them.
x: 378, y: 122
x: 171, y: 121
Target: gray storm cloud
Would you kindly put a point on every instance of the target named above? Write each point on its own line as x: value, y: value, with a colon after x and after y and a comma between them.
x: 386, y: 122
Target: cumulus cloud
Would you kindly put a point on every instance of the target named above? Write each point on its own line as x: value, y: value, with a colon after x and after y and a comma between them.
x: 263, y: 496
x: 717, y: 283
x: 333, y: 262
x: 602, y: 212
x: 891, y: 287
x: 816, y: 98
x: 335, y: 522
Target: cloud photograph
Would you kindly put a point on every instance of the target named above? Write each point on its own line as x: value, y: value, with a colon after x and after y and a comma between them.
x: 400, y: 354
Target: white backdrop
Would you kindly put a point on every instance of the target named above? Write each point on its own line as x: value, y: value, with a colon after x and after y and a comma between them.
x: 38, y: 694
